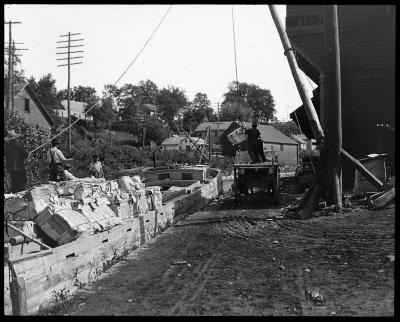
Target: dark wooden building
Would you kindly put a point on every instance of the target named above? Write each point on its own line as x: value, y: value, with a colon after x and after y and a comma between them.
x: 367, y: 59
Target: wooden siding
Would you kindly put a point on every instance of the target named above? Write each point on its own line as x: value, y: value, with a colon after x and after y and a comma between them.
x: 367, y: 53
x: 35, y: 116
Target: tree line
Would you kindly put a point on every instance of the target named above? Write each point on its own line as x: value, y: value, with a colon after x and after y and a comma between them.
x: 120, y: 106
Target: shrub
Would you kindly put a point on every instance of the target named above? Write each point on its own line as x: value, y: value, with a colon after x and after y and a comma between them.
x: 31, y: 137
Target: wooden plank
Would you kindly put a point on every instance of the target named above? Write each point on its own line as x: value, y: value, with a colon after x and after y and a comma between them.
x: 364, y: 171
x: 18, y: 296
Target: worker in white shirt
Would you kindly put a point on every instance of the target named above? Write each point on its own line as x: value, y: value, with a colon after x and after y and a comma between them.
x: 95, y: 168
x: 55, y: 159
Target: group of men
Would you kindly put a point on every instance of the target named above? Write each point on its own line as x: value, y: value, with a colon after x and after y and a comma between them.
x: 59, y: 165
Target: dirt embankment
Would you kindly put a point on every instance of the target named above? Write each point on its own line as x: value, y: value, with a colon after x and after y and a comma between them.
x: 240, y: 262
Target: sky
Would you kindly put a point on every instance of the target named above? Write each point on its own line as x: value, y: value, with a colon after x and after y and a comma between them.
x: 193, y: 48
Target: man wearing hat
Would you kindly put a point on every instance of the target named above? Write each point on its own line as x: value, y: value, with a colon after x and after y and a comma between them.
x: 15, y: 155
x: 254, y: 144
x: 55, y: 159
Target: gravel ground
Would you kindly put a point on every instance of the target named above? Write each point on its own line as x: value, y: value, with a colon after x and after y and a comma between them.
x: 241, y: 261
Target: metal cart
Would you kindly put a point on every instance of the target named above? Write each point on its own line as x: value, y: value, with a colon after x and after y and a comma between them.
x: 261, y: 175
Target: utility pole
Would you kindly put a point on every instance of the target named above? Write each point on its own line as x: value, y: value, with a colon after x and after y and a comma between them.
x: 209, y: 145
x: 14, y: 62
x: 69, y: 58
x: 218, y: 130
x: 109, y: 132
x: 333, y: 115
x: 9, y: 85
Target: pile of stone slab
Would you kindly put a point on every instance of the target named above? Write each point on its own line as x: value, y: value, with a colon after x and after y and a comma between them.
x: 67, y: 210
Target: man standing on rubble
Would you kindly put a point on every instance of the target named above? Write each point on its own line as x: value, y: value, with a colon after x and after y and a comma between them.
x: 15, y: 155
x: 55, y: 159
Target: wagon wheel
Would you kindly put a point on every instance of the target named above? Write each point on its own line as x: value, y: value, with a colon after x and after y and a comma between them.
x: 235, y: 189
x: 276, y: 188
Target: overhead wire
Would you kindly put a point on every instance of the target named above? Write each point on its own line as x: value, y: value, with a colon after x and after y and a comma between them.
x: 97, y: 103
x: 234, y: 48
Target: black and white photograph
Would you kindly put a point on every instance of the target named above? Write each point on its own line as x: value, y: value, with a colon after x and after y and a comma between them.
x: 199, y: 160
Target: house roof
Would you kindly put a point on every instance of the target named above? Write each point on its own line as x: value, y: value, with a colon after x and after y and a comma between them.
x: 176, y: 140
x: 17, y: 88
x: 271, y: 134
x: 301, y: 138
x: 214, y: 125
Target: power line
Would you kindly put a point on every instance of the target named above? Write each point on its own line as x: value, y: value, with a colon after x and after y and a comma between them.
x: 97, y: 103
x: 234, y: 48
x: 151, y: 36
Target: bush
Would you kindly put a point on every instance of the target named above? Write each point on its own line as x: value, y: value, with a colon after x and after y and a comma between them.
x: 31, y: 137
x: 113, y: 158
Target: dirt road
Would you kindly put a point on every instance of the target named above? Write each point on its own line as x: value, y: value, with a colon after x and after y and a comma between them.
x: 240, y: 262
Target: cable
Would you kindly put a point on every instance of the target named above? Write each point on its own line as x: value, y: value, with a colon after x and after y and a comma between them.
x: 151, y: 36
x: 87, y: 111
x: 237, y: 82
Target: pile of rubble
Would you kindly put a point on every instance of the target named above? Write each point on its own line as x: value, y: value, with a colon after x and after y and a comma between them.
x: 66, y: 210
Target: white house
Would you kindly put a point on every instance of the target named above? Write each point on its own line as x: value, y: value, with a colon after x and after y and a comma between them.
x: 305, y: 143
x: 216, y: 130
x: 27, y: 104
x: 77, y: 109
x: 177, y: 142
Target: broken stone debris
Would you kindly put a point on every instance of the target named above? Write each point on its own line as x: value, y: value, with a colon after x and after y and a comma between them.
x: 66, y: 210
x: 314, y: 295
x: 179, y: 262
x: 390, y: 258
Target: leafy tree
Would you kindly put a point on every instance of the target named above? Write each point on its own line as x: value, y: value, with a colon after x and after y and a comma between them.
x: 106, y: 111
x: 170, y: 102
x: 148, y: 92
x: 128, y: 100
x: 259, y: 100
x: 45, y: 89
x: 156, y: 130
x: 198, y: 111
x: 287, y: 128
x: 229, y: 112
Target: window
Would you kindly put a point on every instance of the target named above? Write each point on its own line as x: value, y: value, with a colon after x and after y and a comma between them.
x: 199, y: 134
x: 188, y: 148
x: 281, y: 147
x: 216, y: 133
x: 27, y: 108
